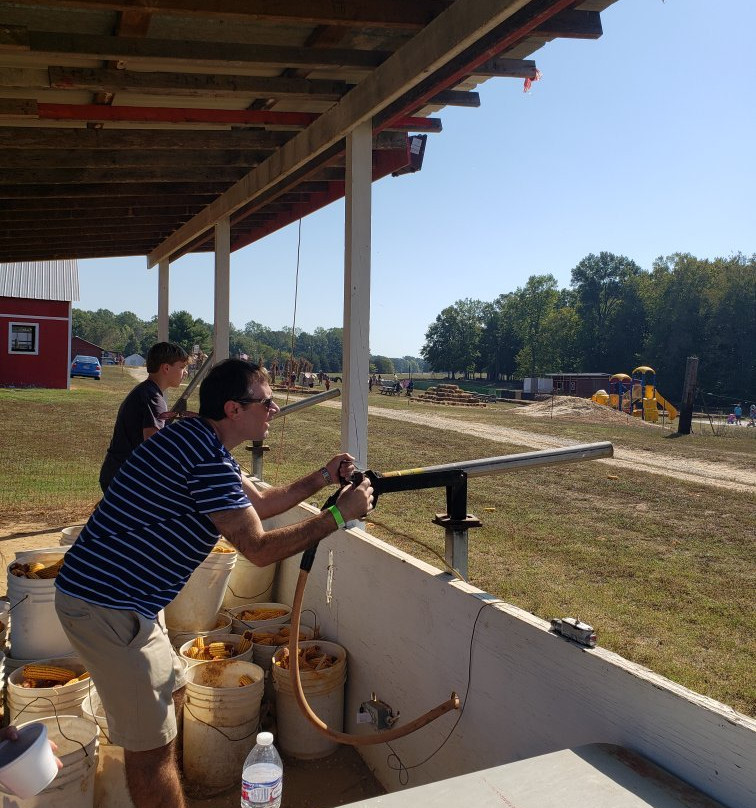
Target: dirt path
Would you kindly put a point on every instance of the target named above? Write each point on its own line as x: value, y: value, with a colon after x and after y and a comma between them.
x: 720, y: 475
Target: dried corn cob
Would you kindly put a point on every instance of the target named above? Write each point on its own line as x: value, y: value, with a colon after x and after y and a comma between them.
x: 50, y: 673
x: 243, y: 645
x: 51, y: 571
x: 35, y: 566
x: 199, y: 642
x: 245, y: 680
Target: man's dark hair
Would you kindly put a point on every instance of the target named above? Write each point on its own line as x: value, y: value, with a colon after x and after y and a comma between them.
x: 227, y: 381
x: 162, y: 352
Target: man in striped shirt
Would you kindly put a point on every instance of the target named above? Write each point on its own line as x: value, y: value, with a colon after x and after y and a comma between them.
x: 157, y: 522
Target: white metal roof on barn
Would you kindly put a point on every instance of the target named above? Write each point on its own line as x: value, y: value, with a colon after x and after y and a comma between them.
x: 40, y: 280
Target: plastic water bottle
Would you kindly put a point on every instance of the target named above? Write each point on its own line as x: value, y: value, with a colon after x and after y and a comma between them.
x: 262, y: 775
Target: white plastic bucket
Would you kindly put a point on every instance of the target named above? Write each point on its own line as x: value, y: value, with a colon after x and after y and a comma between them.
x: 233, y: 639
x: 11, y: 663
x: 178, y: 638
x: 27, y: 765
x: 73, y: 787
x: 47, y: 555
x: 324, y: 691
x: 220, y: 721
x: 249, y: 583
x: 196, y: 606
x: 213, y: 691
x: 111, y: 788
x: 263, y: 652
x: 37, y: 632
x: 32, y: 703
x: 240, y: 626
x: 69, y: 535
x: 4, y: 620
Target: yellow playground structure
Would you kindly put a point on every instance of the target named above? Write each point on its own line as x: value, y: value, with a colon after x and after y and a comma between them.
x: 636, y: 395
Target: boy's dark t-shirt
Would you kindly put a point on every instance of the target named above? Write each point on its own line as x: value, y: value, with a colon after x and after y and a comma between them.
x: 139, y: 410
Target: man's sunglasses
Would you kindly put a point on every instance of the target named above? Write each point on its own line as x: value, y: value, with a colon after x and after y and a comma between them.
x: 266, y: 402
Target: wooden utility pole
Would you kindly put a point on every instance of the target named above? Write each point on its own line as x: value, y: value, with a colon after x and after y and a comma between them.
x: 688, y: 396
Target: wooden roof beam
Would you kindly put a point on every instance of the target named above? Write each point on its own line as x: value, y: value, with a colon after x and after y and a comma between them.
x: 572, y: 24
x: 107, y: 189
x: 133, y: 176
x: 455, y: 98
x: 132, y: 50
x: 499, y: 67
x: 354, y: 13
x: 451, y: 33
x: 178, y: 140
x: 194, y: 85
x: 117, y: 160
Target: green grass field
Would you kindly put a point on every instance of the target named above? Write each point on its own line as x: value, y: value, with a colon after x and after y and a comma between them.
x: 663, y: 569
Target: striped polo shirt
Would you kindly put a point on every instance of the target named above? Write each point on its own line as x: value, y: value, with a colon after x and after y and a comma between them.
x: 151, y: 529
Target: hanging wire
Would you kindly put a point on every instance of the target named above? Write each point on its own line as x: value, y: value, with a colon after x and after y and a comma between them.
x: 281, y: 453
x: 393, y: 760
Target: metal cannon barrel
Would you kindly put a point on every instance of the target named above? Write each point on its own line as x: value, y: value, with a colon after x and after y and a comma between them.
x: 310, y: 401
x: 498, y: 465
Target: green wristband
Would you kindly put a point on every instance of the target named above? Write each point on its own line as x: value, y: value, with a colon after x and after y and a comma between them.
x: 336, y: 513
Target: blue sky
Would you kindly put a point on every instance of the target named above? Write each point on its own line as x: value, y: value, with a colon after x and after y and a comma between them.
x: 639, y: 143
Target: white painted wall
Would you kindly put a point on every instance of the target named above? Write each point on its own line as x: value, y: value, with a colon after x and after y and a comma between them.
x: 408, y: 629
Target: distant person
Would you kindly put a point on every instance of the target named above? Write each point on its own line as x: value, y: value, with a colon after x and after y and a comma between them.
x: 738, y: 413
x: 752, y: 415
x: 371, y: 382
x: 144, y: 410
x: 410, y: 387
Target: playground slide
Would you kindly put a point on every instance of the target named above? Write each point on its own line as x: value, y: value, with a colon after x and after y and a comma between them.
x: 671, y: 410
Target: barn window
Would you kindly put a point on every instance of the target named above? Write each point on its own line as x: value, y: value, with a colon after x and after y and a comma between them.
x: 23, y: 338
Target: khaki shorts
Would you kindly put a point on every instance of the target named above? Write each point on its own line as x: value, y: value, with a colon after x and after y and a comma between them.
x: 133, y: 666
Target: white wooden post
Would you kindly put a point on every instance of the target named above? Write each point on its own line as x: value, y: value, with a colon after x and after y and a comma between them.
x: 222, y: 312
x: 356, y: 364
x: 163, y: 295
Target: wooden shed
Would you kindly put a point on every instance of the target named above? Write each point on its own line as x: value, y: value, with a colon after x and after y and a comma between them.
x: 35, y: 322
x: 582, y: 385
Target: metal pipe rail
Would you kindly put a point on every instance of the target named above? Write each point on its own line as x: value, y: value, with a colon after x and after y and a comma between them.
x: 498, y: 465
x: 310, y: 401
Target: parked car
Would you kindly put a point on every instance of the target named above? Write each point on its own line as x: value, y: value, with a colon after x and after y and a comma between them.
x: 107, y: 360
x: 88, y: 366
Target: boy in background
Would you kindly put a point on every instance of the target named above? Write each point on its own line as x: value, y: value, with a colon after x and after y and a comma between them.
x: 144, y: 410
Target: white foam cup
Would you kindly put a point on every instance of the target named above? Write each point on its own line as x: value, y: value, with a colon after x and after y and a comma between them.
x: 27, y: 765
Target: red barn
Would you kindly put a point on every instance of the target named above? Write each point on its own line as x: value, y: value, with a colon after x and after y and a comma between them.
x: 35, y: 322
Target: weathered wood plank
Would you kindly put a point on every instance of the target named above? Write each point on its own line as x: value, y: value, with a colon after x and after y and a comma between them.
x: 130, y: 158
x: 195, y: 85
x: 357, y: 13
x: 456, y: 98
x: 572, y: 24
x: 12, y: 137
x: 107, y: 189
x: 217, y: 54
x: 133, y: 176
x: 507, y: 68
x: 11, y: 108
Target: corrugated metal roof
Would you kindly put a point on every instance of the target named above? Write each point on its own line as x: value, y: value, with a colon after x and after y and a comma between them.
x: 40, y: 280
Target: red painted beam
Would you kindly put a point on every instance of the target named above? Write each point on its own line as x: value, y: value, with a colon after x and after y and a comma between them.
x: 97, y: 112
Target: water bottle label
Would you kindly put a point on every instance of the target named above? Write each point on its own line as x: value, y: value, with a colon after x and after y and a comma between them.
x: 262, y: 792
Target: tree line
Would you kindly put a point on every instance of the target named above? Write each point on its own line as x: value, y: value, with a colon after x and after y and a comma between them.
x: 613, y: 317
x: 127, y: 334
